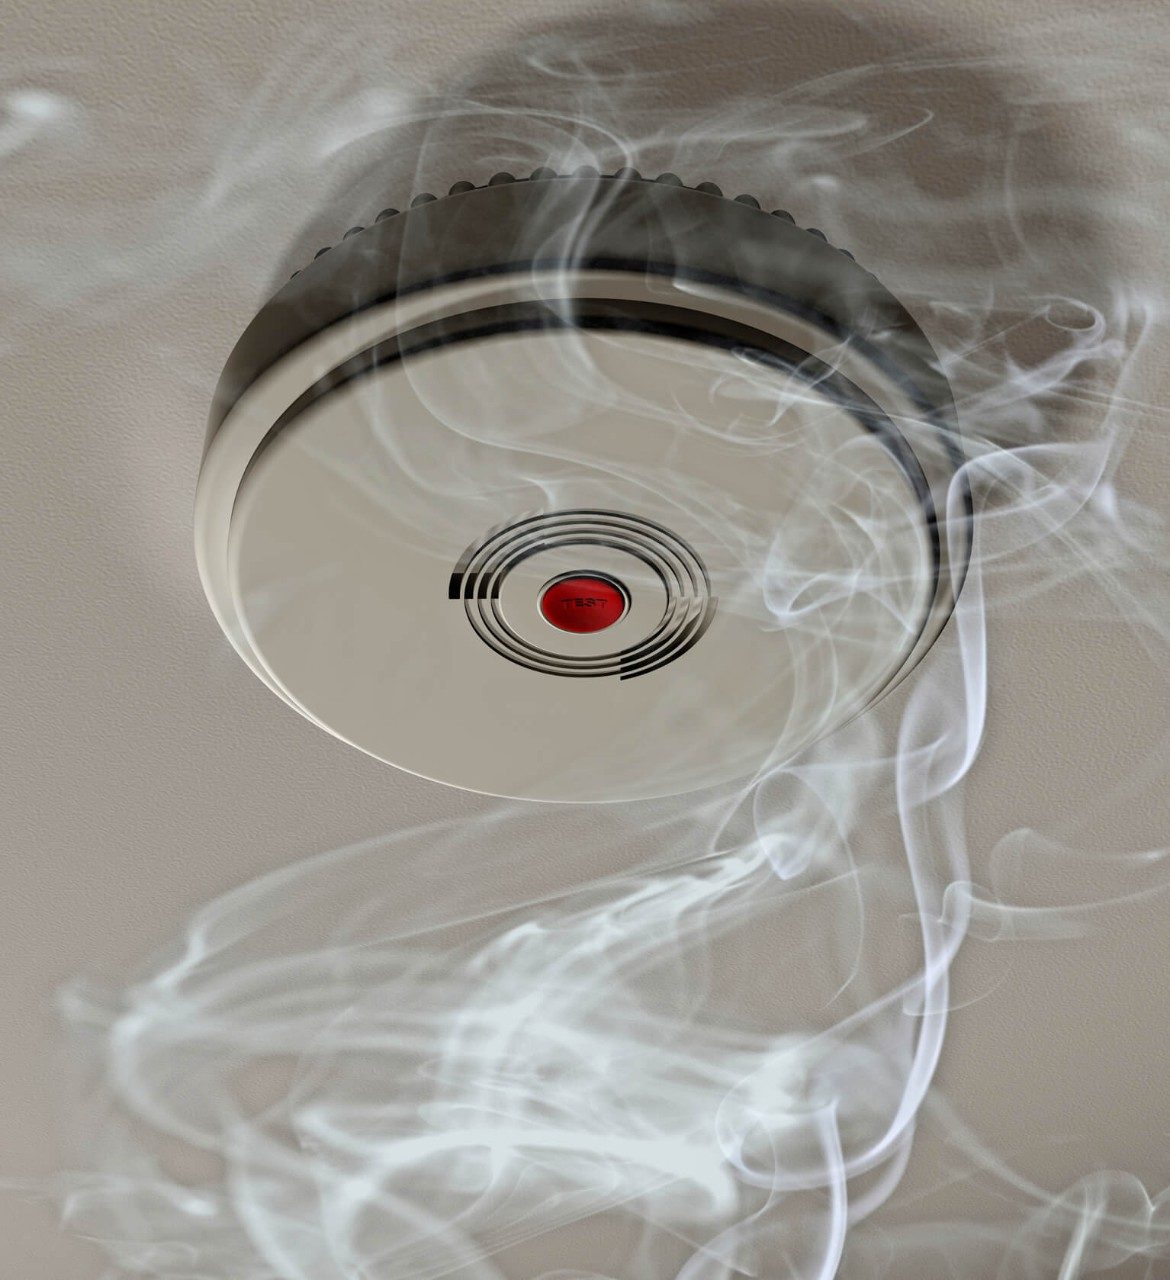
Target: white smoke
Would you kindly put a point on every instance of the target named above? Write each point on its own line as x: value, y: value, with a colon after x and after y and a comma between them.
x: 711, y: 1060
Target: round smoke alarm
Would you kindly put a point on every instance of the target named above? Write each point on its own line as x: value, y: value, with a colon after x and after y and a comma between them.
x: 581, y: 487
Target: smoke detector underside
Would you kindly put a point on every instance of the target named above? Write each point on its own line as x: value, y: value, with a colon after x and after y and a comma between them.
x: 581, y: 488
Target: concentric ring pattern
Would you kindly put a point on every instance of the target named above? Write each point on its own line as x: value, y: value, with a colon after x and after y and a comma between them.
x: 689, y: 609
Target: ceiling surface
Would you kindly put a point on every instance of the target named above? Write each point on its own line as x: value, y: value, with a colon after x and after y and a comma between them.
x: 163, y: 165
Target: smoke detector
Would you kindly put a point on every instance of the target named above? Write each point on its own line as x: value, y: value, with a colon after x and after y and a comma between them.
x: 581, y: 487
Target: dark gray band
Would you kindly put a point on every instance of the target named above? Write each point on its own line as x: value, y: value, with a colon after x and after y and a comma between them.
x: 593, y: 222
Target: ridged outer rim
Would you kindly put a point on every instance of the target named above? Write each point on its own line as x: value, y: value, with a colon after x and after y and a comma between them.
x: 589, y: 220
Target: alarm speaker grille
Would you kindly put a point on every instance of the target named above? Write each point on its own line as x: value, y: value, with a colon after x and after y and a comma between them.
x: 689, y: 606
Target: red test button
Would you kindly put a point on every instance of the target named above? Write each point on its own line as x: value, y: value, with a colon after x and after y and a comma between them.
x: 583, y: 603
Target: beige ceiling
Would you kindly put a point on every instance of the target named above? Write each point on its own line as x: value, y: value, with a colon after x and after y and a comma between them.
x: 154, y: 186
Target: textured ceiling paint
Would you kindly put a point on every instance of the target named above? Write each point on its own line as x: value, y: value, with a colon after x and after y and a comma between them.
x: 146, y: 771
